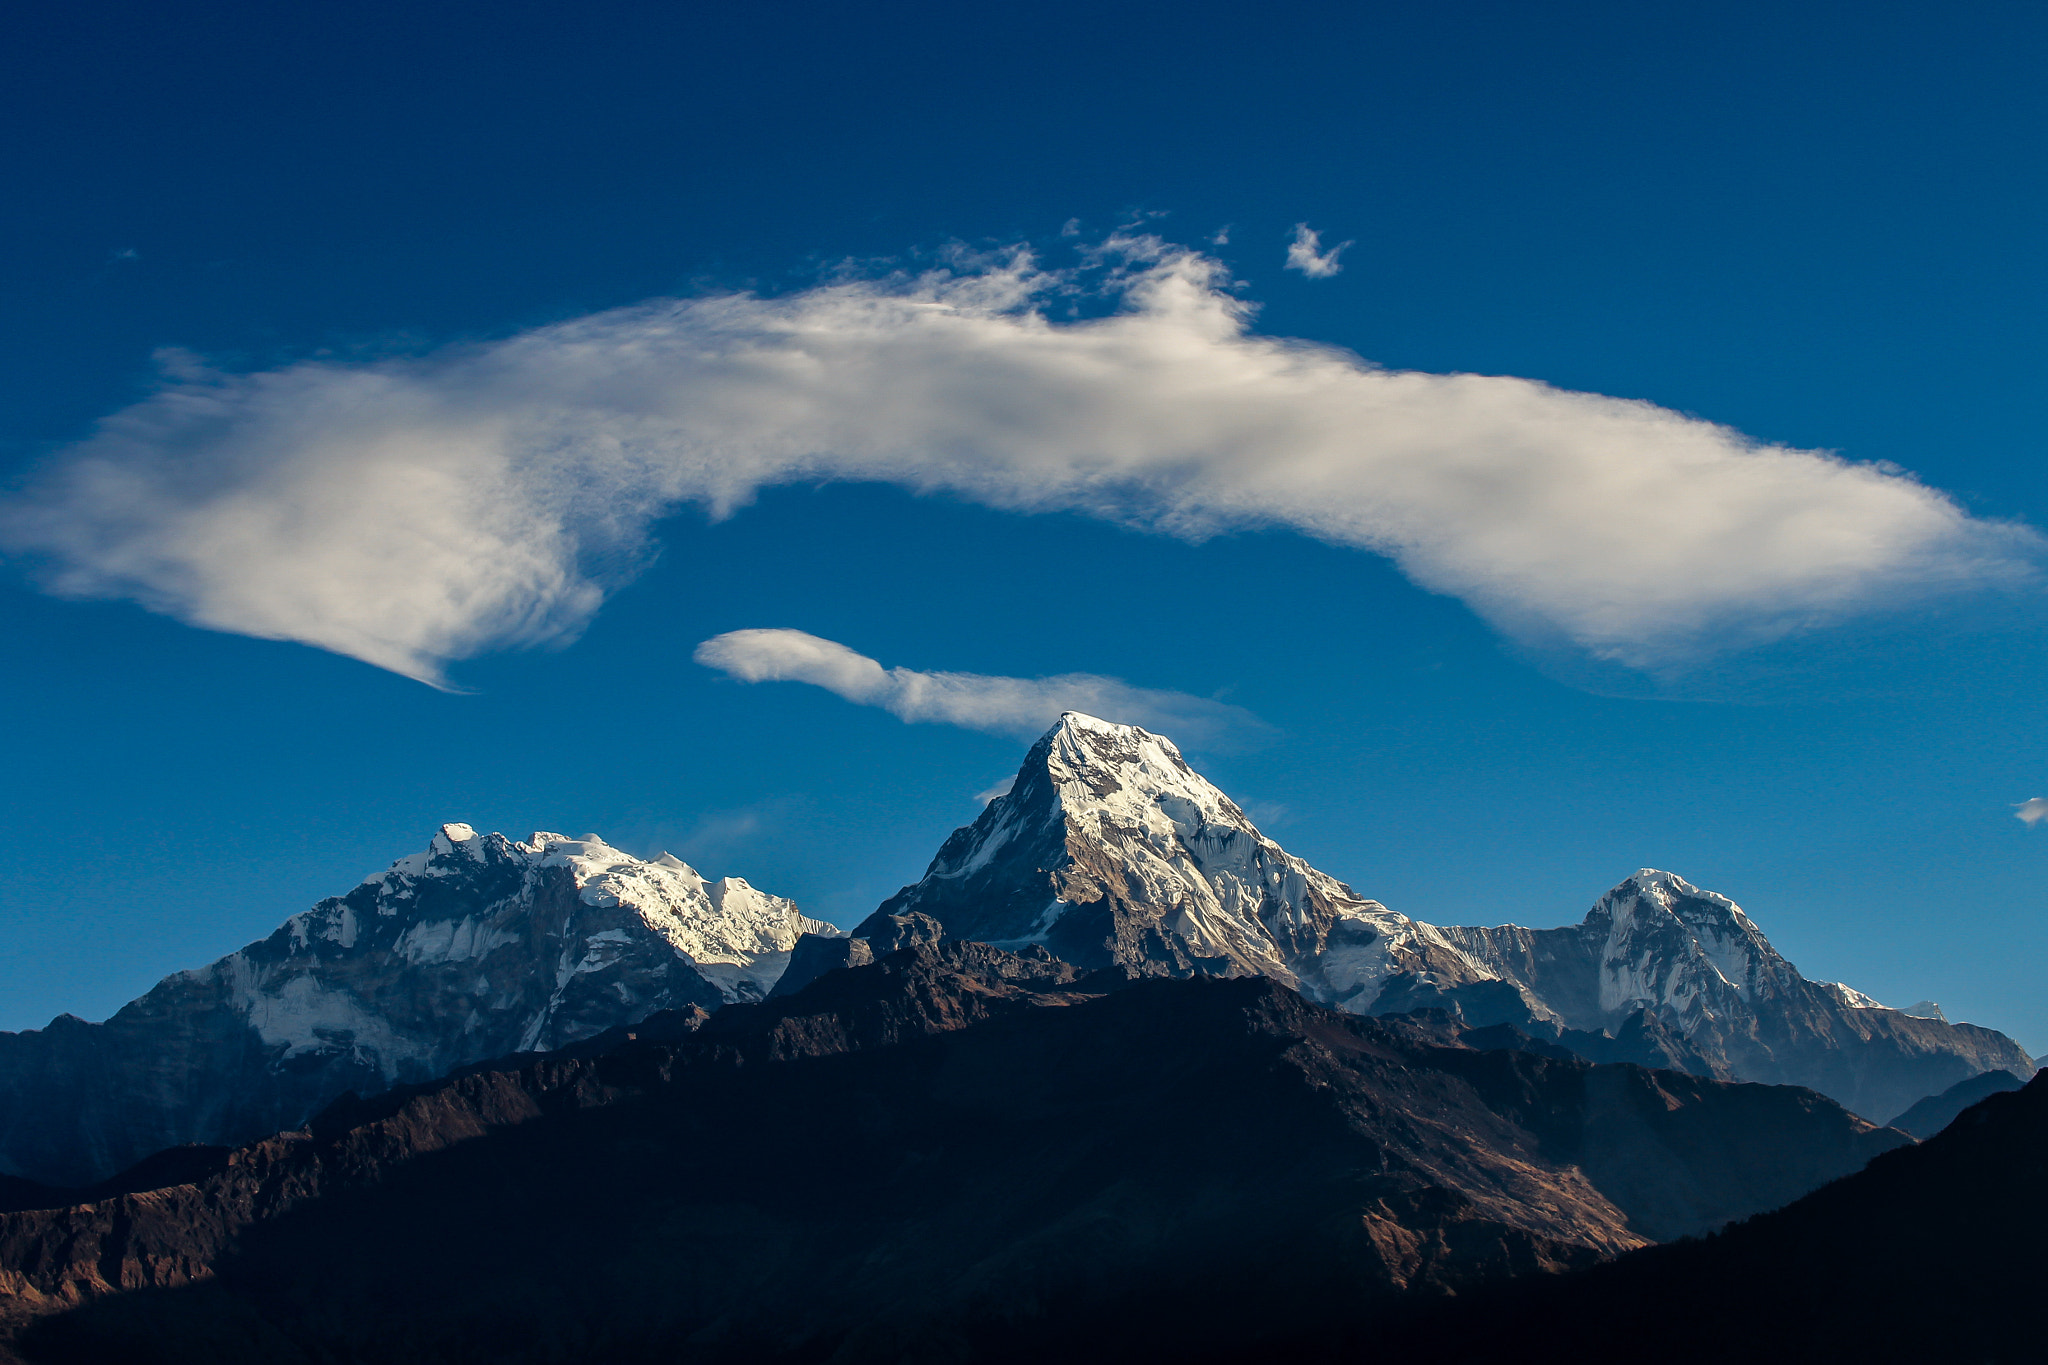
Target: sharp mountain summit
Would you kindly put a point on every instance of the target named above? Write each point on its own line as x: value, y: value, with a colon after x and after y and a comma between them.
x: 1115, y: 1056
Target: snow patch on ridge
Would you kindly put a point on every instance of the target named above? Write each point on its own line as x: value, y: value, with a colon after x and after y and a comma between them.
x: 1848, y: 997
x: 368, y: 976
x: 453, y: 940
x: 726, y: 922
x: 301, y: 1014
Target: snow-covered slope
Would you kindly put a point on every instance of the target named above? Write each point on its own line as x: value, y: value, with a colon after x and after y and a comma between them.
x: 1659, y: 946
x: 476, y: 947
x: 1110, y: 849
x: 659, y: 919
x: 1655, y: 942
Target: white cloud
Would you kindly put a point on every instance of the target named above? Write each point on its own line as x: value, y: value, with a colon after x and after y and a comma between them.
x: 2033, y: 811
x: 1002, y: 788
x: 421, y: 509
x: 1268, y: 815
x: 1305, y: 253
x: 975, y: 701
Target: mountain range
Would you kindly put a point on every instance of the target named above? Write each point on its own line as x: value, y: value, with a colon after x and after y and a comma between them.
x: 1118, y: 1074
x: 955, y: 1152
x: 476, y: 947
x: 1930, y: 1253
x: 1107, y: 850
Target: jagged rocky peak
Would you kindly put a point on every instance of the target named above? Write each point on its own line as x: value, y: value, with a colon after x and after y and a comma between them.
x: 1659, y: 949
x: 475, y: 947
x: 1108, y: 848
x: 1654, y: 943
x: 1670, y: 945
x: 722, y: 923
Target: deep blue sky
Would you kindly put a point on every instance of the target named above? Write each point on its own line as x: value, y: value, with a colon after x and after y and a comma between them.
x: 1821, y: 224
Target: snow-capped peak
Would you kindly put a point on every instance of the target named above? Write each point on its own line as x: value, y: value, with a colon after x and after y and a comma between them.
x: 451, y: 834
x: 1848, y: 996
x: 481, y: 944
x: 434, y: 903
x: 1670, y: 945
x: 1080, y: 722
x: 1122, y: 773
x: 1652, y: 889
x: 474, y: 947
x: 1108, y: 847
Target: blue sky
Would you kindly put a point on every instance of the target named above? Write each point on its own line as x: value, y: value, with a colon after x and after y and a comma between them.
x: 356, y: 275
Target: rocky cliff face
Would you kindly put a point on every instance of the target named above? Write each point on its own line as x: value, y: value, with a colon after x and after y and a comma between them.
x: 1660, y: 947
x: 1110, y: 849
x: 478, y: 947
x: 952, y: 1153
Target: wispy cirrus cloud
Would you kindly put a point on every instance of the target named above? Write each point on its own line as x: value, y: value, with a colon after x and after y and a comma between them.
x: 1002, y: 788
x: 974, y: 701
x: 1305, y: 253
x: 2033, y: 811
x: 421, y: 509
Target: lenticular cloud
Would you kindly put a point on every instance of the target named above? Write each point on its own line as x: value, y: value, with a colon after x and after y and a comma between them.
x: 413, y: 511
x: 974, y: 701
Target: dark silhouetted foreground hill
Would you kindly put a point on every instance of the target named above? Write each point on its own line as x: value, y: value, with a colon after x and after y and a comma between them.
x: 1933, y: 1253
x: 953, y: 1153
x: 1937, y: 1112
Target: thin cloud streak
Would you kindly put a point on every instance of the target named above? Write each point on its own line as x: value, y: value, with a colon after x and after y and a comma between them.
x: 1305, y: 254
x: 974, y: 701
x: 2033, y: 811
x: 418, y: 510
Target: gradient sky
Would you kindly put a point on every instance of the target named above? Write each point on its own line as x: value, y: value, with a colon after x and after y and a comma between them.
x: 1818, y: 225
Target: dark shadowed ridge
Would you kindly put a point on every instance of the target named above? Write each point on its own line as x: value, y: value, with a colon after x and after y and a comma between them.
x: 1933, y: 1253
x: 952, y: 1153
x: 1936, y: 1112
